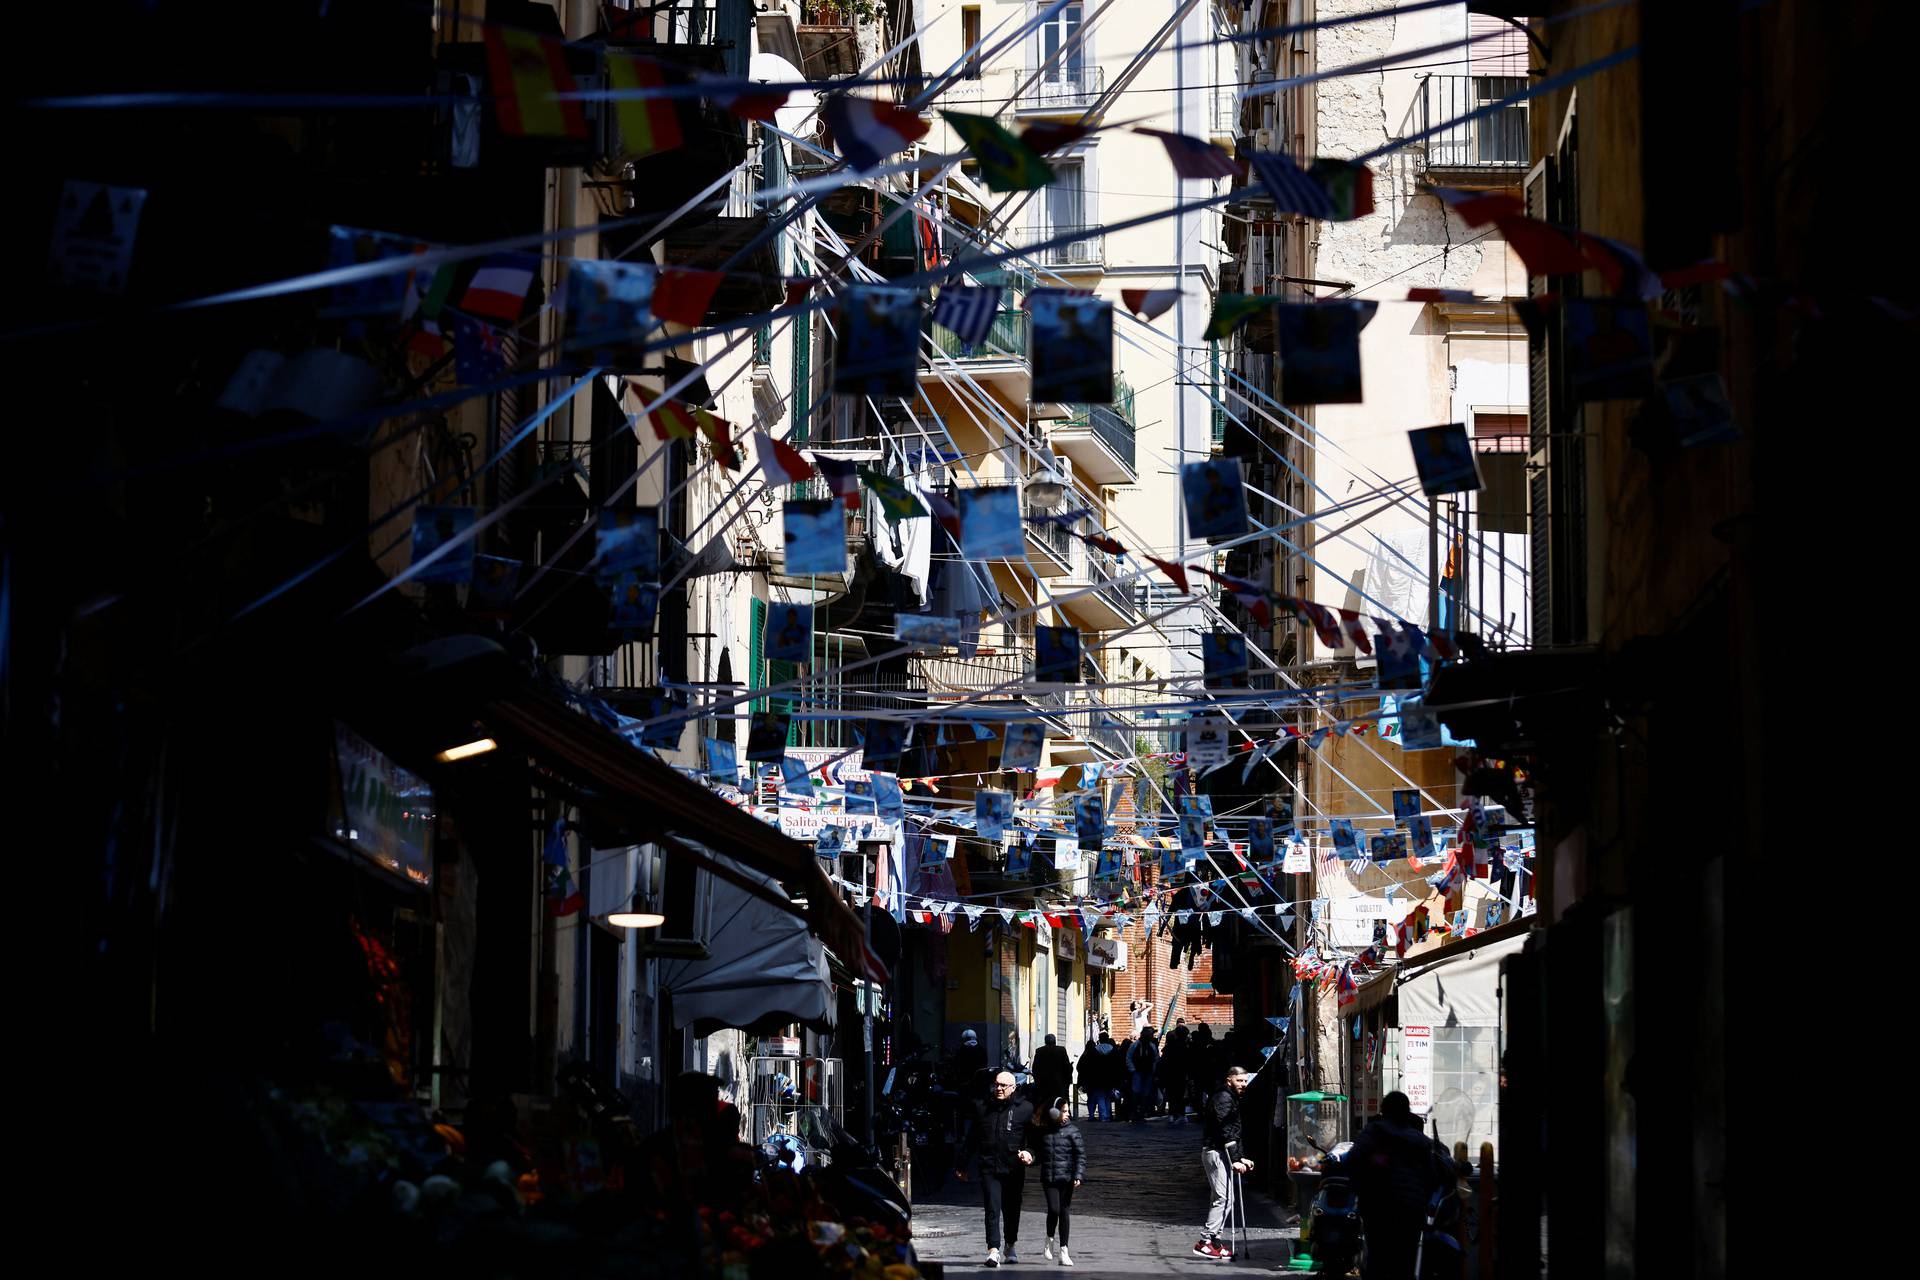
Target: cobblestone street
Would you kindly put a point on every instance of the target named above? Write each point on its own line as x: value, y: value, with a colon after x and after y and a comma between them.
x: 1138, y: 1213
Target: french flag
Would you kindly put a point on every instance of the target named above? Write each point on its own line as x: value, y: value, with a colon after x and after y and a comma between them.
x: 867, y: 130
x: 499, y: 286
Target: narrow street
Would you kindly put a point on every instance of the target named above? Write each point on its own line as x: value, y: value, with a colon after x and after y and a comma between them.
x: 1138, y: 1213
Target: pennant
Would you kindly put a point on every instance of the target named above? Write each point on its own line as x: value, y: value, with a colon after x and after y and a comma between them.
x: 1149, y: 304
x: 1056, y: 655
x: 894, y: 497
x: 647, y: 125
x: 526, y: 73
x: 927, y: 632
x: 973, y: 914
x: 478, y: 357
x: 783, y: 463
x: 1260, y: 840
x: 684, y: 295
x: 1007, y: 163
x: 1424, y: 294
x: 815, y: 535
x: 944, y: 512
x: 1049, y: 136
x: 1223, y: 657
x: 1104, y: 543
x: 1621, y: 268
x: 1215, y: 497
x: 1344, y: 844
x: 1349, y: 187
x: 1326, y: 625
x: 1355, y: 632
x: 1207, y: 741
x: 1090, y: 819
x: 609, y: 312
x: 1194, y: 158
x: 868, y: 130
x: 749, y: 104
x: 887, y: 799
x: 843, y: 479
x: 1230, y: 311
x: 1072, y: 347
x: 1291, y: 188
x: 1175, y: 571
x: 563, y: 897
x: 990, y: 524
x: 1406, y: 804
x: 968, y: 312
x: 1544, y: 249
x: 498, y: 288
x: 448, y: 527
x: 879, y: 342
x: 1319, y: 345
x: 1478, y: 208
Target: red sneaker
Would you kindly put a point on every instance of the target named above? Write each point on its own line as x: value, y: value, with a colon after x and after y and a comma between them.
x: 1212, y: 1249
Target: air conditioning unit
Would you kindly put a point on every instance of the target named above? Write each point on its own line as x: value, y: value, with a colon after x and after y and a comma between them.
x: 1263, y: 139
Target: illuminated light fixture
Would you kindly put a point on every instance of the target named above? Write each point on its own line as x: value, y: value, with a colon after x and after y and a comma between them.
x: 636, y: 919
x: 467, y: 750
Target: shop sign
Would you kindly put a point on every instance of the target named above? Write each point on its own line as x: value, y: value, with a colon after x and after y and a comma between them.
x: 1106, y: 953
x: 1416, y: 1068
x: 380, y: 810
x: 1042, y: 933
x: 1069, y: 943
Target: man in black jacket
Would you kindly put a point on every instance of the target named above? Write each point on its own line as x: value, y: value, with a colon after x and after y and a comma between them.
x: 1053, y: 1073
x: 1222, y: 1155
x: 1396, y: 1169
x: 999, y: 1139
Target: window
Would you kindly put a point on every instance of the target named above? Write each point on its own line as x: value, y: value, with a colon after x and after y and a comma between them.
x: 1499, y: 138
x: 1057, y: 34
x: 1502, y: 440
x: 1067, y: 196
x: 969, y: 37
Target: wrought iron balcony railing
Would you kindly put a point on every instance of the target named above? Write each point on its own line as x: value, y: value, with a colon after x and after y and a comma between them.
x: 1007, y: 340
x: 1492, y: 142
x: 1059, y: 88
x: 1088, y: 248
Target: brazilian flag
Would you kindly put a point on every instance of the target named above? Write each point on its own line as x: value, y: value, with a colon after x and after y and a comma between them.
x: 1230, y: 311
x: 895, y: 498
x: 1006, y: 163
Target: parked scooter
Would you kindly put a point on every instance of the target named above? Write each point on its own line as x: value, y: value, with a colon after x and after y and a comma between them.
x: 1332, y: 1232
x: 851, y: 1178
x: 1440, y: 1256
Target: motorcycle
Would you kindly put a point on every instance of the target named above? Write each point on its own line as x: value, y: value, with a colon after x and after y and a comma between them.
x: 1332, y: 1232
x: 850, y: 1177
x: 919, y: 1108
x: 1440, y: 1256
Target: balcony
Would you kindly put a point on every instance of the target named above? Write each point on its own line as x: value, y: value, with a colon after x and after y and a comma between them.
x: 1225, y: 113
x: 957, y: 676
x: 1087, y: 251
x: 829, y: 38
x: 1050, y: 549
x: 1491, y: 151
x: 1100, y: 441
x: 1001, y: 359
x: 1108, y: 604
x: 1060, y: 89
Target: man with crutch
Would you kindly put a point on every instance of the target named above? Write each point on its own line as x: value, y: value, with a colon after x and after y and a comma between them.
x: 1224, y: 1161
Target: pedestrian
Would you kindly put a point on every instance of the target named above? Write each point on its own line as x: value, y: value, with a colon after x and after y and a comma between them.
x: 1062, y: 1156
x: 1123, y: 1080
x: 1201, y: 1078
x: 1222, y: 1155
x: 1052, y: 1071
x: 1099, y: 1068
x: 969, y: 1067
x: 998, y: 1140
x: 1173, y: 1071
x: 1143, y: 1060
x: 1396, y: 1168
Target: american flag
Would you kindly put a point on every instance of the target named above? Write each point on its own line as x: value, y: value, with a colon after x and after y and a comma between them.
x: 1292, y: 188
x: 967, y: 311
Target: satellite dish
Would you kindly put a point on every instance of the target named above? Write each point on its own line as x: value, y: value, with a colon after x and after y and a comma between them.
x: 771, y: 68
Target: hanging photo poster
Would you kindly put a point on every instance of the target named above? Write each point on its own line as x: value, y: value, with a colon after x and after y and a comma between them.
x: 859, y: 794
x: 449, y: 527
x: 1193, y: 836
x: 1207, y: 742
x: 1420, y: 836
x: 1320, y: 350
x: 627, y: 538
x: 1056, y: 655
x: 1215, y: 497
x: 887, y: 800
x: 607, y: 313
x: 927, y: 632
x: 1021, y: 750
x: 882, y: 743
x: 879, y: 342
x: 990, y: 523
x: 1066, y: 854
x: 1609, y: 348
x: 1020, y: 854
x: 831, y: 842
x: 1297, y: 863
x: 795, y: 777
x: 1090, y: 819
x: 1260, y: 840
x: 1343, y: 839
x: 1223, y: 657
x: 992, y: 813
x: 1388, y: 845
x: 723, y: 761
x: 632, y: 603
x: 767, y: 735
x: 1072, y: 347
x: 1445, y: 459
x: 815, y: 534
x: 787, y: 635
x: 1406, y: 804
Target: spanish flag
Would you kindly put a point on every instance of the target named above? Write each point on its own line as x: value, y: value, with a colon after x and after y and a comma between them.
x: 675, y: 420
x: 647, y: 125
x: 527, y: 70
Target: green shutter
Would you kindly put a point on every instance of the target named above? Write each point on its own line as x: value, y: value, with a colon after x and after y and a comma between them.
x: 802, y: 377
x: 757, y: 622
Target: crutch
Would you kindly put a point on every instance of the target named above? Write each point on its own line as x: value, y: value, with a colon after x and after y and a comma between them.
x: 1237, y: 1211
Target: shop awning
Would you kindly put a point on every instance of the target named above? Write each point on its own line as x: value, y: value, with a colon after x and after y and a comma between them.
x: 764, y: 969
x: 1458, y: 985
x: 655, y: 799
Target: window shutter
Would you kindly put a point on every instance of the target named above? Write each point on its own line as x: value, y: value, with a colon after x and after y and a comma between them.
x: 1540, y: 423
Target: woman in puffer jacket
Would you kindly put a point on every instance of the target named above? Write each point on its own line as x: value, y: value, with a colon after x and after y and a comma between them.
x: 1061, y: 1154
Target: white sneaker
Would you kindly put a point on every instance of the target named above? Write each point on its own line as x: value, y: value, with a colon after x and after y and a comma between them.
x: 1013, y: 1255
x: 1047, y: 1253
x: 993, y: 1257
x: 1066, y: 1259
